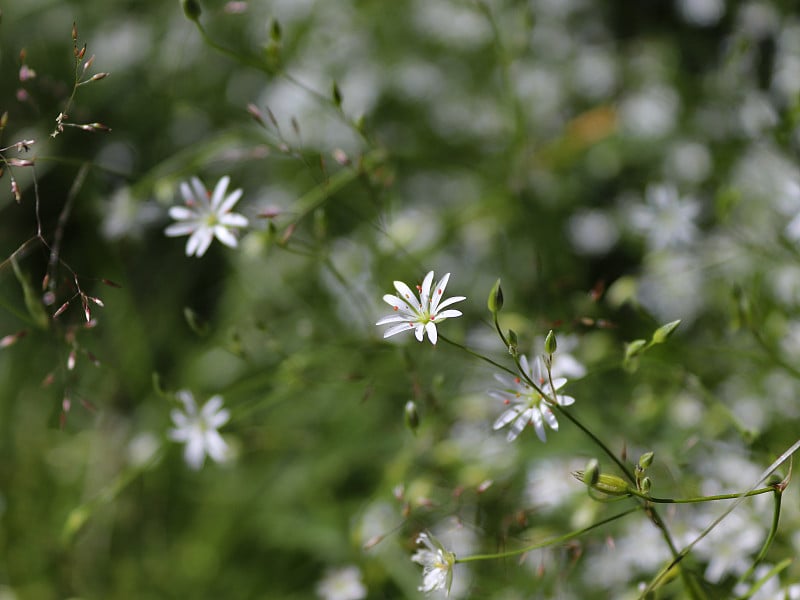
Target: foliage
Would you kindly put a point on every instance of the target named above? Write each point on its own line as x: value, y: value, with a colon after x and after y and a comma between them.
x: 628, y: 172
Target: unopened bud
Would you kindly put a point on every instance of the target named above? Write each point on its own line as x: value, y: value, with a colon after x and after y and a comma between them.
x: 495, y: 301
x: 644, y: 485
x: 411, y: 416
x: 646, y: 459
x: 74, y: 31
x: 592, y: 472
x: 98, y: 76
x: 191, y: 8
x: 663, y: 332
x: 550, y: 343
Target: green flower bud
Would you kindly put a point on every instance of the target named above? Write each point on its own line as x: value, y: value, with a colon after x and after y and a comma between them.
x: 550, y: 343
x: 663, y: 332
x: 644, y: 485
x: 191, y: 8
x: 592, y: 473
x: 612, y: 485
x: 412, y: 416
x: 645, y: 460
x: 495, y: 301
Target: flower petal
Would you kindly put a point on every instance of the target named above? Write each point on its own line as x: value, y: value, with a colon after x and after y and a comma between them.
x: 233, y: 220
x: 407, y: 295
x: 425, y: 291
x: 438, y: 292
x: 178, y: 229
x: 430, y: 327
x: 397, y: 329
x: 225, y: 236
x: 219, y: 192
x: 230, y: 201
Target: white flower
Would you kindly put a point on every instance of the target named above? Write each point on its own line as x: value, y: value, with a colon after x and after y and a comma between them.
x: 198, y: 430
x: 437, y: 564
x: 666, y: 219
x: 528, y: 405
x: 342, y: 584
x: 421, y: 314
x: 203, y: 219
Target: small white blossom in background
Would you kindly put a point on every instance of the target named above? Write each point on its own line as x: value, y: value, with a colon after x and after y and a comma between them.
x: 198, y: 430
x: 528, y: 405
x: 420, y: 315
x: 203, y: 219
x: 342, y: 584
x: 437, y: 564
x: 666, y: 219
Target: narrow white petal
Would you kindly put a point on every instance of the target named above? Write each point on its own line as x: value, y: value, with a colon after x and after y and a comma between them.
x: 216, y: 447
x: 536, y: 418
x: 182, y: 213
x: 211, y: 407
x: 438, y: 292
x: 230, y: 201
x: 219, y: 192
x: 448, y: 302
x: 447, y: 314
x: 177, y: 229
x: 565, y: 400
x: 392, y: 319
x: 506, y: 418
x: 187, y: 194
x: 419, y: 332
x: 396, y: 329
x: 549, y: 417
x: 407, y: 295
x: 425, y: 291
x: 199, y: 242
x: 200, y: 193
x: 233, y: 220
x: 225, y: 236
x: 195, y: 452
x: 400, y: 304
x: 432, y: 333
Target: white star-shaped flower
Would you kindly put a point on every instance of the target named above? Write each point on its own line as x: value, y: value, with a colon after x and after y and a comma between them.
x: 203, y: 219
x: 420, y: 314
x: 437, y: 564
x: 528, y: 406
x: 198, y: 430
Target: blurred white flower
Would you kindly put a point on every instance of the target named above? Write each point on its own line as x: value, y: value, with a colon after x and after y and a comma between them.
x: 421, y: 314
x: 666, y: 219
x: 651, y: 112
x: 437, y: 564
x: 198, y: 430
x: 529, y: 406
x: 342, y: 584
x: 203, y: 219
x: 702, y: 13
x: 592, y: 232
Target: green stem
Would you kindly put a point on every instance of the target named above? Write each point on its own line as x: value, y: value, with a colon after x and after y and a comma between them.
x: 776, y: 513
x: 701, y: 498
x: 551, y: 542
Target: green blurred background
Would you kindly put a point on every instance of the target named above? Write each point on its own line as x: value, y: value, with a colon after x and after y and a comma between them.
x: 619, y: 165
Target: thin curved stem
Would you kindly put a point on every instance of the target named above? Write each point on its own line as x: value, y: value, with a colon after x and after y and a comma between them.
x: 551, y: 542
